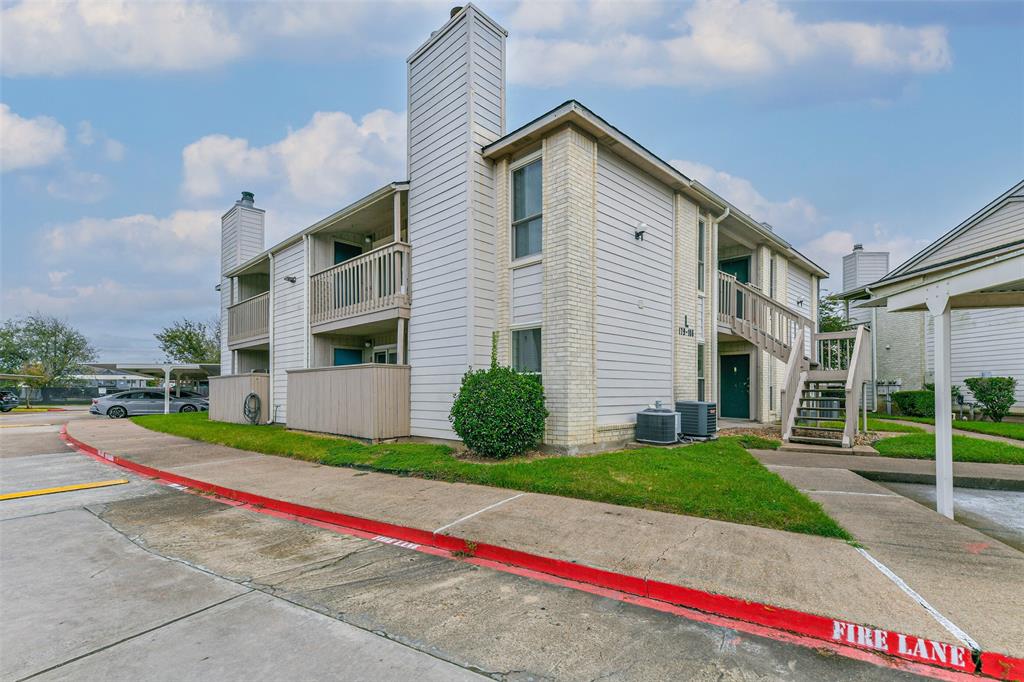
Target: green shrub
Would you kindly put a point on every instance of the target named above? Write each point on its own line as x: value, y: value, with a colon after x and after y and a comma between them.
x: 499, y: 412
x: 915, y: 403
x: 995, y: 394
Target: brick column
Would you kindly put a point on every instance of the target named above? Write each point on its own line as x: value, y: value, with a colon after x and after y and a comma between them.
x: 569, y: 334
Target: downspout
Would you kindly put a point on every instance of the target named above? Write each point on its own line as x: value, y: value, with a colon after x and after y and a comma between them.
x: 714, y: 302
x: 270, y: 355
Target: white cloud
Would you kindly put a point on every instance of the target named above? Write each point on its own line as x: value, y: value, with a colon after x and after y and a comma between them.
x: 79, y: 186
x: 183, y: 243
x: 87, y: 136
x: 329, y: 159
x: 795, y: 218
x: 715, y: 43
x: 57, y: 277
x: 57, y: 37
x: 113, y: 150
x: 829, y: 248
x: 28, y: 142
x: 52, y: 37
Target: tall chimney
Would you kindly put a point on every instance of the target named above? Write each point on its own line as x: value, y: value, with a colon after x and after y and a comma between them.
x: 456, y: 106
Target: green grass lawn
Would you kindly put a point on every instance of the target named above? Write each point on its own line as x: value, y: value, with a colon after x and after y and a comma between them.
x: 880, y: 425
x: 965, y: 449
x: 1005, y: 429
x: 717, y: 479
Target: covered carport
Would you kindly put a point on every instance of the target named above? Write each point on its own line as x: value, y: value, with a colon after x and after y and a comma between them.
x: 169, y: 371
x: 978, y: 264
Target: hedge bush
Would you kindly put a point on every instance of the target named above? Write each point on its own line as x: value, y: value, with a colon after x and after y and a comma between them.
x: 995, y: 394
x: 915, y: 403
x: 499, y: 412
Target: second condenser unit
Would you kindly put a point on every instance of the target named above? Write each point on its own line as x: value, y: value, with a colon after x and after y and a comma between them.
x: 698, y: 419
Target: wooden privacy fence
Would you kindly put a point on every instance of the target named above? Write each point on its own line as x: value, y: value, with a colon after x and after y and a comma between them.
x: 228, y: 392
x: 249, y: 319
x: 368, y: 401
x: 373, y: 281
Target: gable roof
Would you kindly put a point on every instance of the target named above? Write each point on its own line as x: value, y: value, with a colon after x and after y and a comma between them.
x: 952, y: 248
x: 574, y: 112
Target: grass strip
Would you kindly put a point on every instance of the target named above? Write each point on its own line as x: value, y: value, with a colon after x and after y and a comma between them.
x: 716, y: 480
x: 965, y: 449
x: 1013, y: 430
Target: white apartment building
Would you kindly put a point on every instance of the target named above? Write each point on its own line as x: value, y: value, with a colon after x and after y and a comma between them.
x: 598, y: 265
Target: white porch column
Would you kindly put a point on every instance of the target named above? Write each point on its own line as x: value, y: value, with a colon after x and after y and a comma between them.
x: 401, y: 341
x: 167, y: 389
x: 398, y: 216
x: 938, y: 306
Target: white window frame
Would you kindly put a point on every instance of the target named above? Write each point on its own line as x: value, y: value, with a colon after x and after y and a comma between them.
x: 702, y: 260
x: 533, y: 257
x: 522, y: 327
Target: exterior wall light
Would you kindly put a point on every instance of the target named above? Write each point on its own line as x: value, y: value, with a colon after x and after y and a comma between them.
x: 290, y: 279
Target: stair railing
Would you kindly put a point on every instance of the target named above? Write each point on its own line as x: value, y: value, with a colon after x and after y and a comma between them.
x: 858, y: 370
x: 790, y: 393
x: 765, y: 322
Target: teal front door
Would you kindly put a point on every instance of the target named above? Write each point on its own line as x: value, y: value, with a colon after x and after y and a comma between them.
x: 740, y: 269
x: 347, y: 356
x: 735, y: 387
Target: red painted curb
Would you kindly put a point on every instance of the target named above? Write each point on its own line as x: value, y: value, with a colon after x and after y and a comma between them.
x: 899, y: 645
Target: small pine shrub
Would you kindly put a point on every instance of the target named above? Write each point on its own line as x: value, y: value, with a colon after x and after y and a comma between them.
x: 499, y: 412
x: 995, y: 394
x: 915, y: 403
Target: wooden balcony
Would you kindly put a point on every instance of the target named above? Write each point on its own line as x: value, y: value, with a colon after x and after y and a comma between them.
x: 369, y: 288
x: 369, y: 401
x: 249, y: 322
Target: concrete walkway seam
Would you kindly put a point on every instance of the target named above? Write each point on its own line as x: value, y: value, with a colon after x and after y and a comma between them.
x: 899, y: 645
x: 479, y: 511
x: 900, y: 583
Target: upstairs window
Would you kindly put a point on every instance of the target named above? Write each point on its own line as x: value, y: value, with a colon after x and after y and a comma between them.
x: 701, y: 241
x: 527, y: 223
x: 771, y: 276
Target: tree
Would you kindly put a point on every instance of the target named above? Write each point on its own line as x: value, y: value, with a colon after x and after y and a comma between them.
x: 12, y: 353
x: 49, y: 346
x: 830, y: 314
x: 188, y: 341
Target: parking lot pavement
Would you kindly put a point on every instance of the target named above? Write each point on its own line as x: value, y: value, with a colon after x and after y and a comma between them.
x: 142, y: 581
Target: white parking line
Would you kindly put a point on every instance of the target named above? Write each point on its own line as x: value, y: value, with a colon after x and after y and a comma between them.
x: 480, y: 511
x: 943, y: 621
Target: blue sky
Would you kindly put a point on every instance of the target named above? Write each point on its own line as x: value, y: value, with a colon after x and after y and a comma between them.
x: 128, y: 128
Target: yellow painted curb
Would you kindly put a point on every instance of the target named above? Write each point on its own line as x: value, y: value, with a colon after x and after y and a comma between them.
x: 22, y: 426
x: 63, y: 489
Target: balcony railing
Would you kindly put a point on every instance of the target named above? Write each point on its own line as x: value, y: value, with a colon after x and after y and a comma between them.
x: 375, y: 281
x: 769, y: 324
x: 249, y: 320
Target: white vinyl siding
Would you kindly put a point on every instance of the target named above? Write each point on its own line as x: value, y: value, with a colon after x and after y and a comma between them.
x: 634, y: 291
x: 798, y: 289
x: 983, y: 340
x: 456, y: 104
x: 1003, y: 226
x: 289, y: 335
x: 528, y: 294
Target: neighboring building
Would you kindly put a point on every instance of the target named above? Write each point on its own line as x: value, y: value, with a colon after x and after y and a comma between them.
x: 108, y: 378
x: 985, y: 341
x: 598, y: 265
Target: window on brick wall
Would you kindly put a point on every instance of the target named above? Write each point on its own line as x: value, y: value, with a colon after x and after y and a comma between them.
x: 526, y: 350
x: 700, y: 371
x: 771, y: 276
x: 527, y: 221
x: 701, y: 239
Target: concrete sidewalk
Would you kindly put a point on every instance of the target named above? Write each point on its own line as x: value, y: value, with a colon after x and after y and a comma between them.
x: 929, y: 428
x: 811, y: 574
x: 901, y: 470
